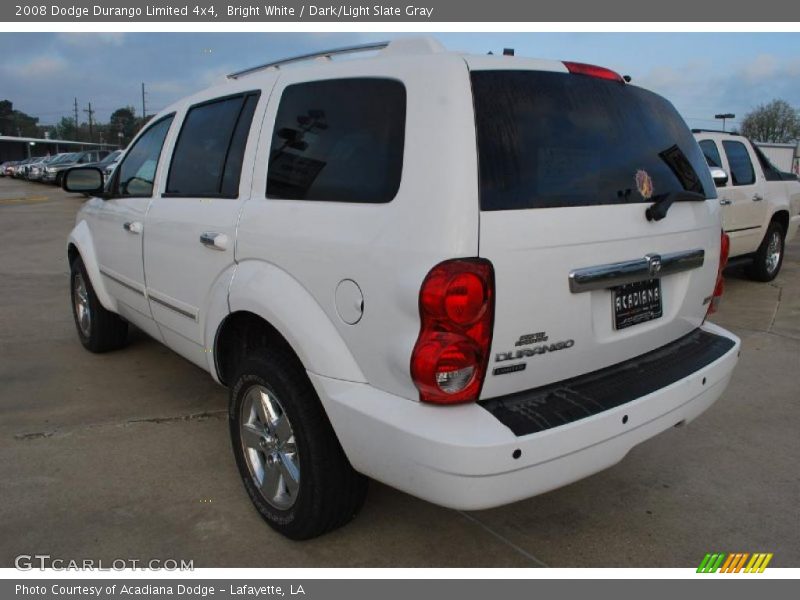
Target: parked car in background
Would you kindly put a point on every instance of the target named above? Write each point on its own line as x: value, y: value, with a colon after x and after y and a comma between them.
x: 760, y: 203
x: 21, y: 168
x: 7, y: 168
x: 36, y: 169
x: 109, y: 163
x: 35, y: 161
x: 54, y: 171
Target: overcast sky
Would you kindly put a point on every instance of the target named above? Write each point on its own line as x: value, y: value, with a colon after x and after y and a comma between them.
x: 702, y: 74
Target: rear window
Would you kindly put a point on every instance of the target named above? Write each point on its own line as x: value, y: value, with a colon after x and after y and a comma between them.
x: 559, y: 140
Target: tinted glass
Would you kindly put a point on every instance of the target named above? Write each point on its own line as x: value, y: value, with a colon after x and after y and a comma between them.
x: 233, y: 164
x: 711, y: 152
x: 200, y: 157
x: 339, y: 140
x: 111, y: 157
x: 557, y: 139
x: 771, y: 172
x: 739, y: 161
x: 137, y: 172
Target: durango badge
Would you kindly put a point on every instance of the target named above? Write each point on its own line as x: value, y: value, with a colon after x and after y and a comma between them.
x: 644, y: 183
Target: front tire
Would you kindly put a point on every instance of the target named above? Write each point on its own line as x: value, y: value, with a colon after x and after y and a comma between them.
x: 99, y: 330
x: 768, y: 258
x: 289, y: 458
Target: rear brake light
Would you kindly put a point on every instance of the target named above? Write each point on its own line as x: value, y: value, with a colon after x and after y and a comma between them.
x: 719, y: 286
x: 456, y: 305
x: 593, y: 71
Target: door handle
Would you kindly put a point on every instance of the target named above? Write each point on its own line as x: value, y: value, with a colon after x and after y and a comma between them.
x: 757, y: 197
x: 726, y: 202
x: 132, y: 227
x: 214, y: 240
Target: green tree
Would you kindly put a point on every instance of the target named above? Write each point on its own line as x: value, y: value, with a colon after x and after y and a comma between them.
x: 776, y: 121
x: 66, y: 130
x: 15, y: 122
x: 123, y: 121
x: 6, y: 118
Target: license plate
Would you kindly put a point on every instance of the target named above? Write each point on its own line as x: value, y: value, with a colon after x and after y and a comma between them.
x: 635, y: 303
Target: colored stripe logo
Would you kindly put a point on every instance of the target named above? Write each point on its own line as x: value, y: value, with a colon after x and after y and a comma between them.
x: 737, y: 562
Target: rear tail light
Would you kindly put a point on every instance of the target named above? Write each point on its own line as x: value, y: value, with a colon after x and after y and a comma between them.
x: 719, y: 286
x: 456, y: 306
x: 593, y: 71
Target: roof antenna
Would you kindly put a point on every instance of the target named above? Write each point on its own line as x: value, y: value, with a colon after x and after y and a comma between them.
x: 508, y: 52
x: 627, y: 78
x: 490, y: 53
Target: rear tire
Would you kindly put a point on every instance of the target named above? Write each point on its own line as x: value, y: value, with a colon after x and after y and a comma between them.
x: 99, y: 330
x: 768, y: 258
x: 289, y: 458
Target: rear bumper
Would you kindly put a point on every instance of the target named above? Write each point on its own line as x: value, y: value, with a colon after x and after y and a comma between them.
x: 463, y: 457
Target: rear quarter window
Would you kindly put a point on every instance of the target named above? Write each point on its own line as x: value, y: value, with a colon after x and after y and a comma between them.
x: 339, y: 140
x: 561, y: 140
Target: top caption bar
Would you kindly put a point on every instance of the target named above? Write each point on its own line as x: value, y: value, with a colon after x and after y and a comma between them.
x: 472, y: 11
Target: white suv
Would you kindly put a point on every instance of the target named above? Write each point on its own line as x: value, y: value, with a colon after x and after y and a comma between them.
x: 760, y: 204
x: 473, y: 278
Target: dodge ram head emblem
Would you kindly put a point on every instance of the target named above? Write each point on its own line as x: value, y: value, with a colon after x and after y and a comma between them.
x: 644, y: 184
x: 653, y: 264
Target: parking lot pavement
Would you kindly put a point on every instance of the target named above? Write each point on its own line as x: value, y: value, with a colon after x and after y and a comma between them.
x: 126, y: 455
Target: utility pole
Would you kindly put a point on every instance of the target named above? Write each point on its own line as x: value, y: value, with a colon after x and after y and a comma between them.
x: 90, y: 112
x: 76, y: 119
x: 144, y: 106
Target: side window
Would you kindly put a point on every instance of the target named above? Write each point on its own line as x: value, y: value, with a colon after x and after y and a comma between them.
x: 208, y: 155
x: 136, y: 174
x: 739, y: 160
x: 771, y: 172
x: 711, y: 152
x: 339, y: 140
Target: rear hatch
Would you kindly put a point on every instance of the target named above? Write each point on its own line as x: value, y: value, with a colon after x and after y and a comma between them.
x: 568, y: 165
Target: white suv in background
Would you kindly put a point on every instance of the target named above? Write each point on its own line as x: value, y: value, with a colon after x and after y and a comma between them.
x: 473, y: 278
x: 760, y: 204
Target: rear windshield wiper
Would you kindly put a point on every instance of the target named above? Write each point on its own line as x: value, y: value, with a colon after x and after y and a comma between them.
x: 658, y: 210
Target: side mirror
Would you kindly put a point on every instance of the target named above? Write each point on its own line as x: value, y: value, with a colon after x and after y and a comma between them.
x: 85, y: 180
x: 719, y: 176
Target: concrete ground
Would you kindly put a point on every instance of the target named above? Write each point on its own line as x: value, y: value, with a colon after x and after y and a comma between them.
x: 126, y: 455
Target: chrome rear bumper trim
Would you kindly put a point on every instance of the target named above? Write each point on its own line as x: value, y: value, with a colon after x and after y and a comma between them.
x: 651, y: 266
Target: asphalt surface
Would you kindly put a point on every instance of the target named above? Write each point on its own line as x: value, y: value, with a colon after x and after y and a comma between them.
x: 126, y: 455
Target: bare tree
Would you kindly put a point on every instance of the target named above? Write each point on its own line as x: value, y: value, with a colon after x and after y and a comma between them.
x: 776, y: 121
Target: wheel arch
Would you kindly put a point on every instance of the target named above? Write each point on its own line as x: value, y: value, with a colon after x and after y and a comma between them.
x: 781, y: 217
x: 266, y: 304
x: 81, y: 245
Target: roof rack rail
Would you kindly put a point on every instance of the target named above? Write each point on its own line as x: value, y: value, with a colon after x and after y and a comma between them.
x: 303, y: 57
x: 703, y: 130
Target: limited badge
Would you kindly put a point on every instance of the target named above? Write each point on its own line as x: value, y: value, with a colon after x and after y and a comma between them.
x: 644, y: 184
